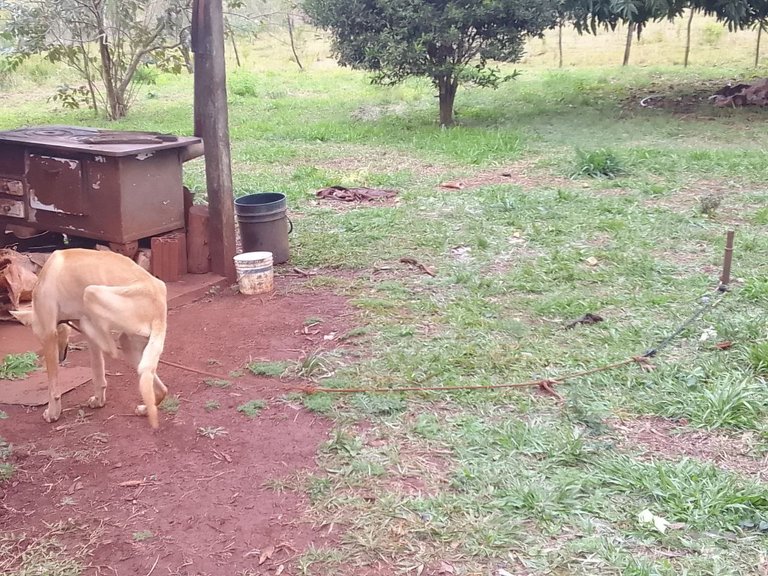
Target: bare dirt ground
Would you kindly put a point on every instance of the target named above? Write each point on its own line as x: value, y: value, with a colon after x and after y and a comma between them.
x: 657, y: 438
x: 176, y: 501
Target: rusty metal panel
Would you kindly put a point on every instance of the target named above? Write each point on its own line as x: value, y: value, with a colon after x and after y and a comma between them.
x: 11, y: 160
x: 152, y: 199
x: 55, y: 184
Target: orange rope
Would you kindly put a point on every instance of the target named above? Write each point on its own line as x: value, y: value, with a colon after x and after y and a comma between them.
x: 544, y: 383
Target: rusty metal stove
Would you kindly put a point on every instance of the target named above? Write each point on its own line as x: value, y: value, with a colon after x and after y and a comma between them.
x: 112, y: 186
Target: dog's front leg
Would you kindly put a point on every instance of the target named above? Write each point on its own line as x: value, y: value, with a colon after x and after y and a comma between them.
x: 51, y: 356
x: 99, y: 397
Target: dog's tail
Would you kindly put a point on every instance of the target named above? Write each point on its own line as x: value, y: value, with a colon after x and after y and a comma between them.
x: 148, y: 368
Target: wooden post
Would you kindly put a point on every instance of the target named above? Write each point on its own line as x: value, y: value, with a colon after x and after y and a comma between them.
x: 211, y: 124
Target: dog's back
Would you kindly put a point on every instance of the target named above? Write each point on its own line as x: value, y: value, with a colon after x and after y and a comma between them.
x: 67, y: 274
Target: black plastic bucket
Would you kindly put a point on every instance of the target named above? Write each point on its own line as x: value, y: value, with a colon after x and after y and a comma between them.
x: 264, y: 224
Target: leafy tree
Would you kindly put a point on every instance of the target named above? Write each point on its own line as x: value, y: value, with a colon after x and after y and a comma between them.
x: 105, y: 41
x: 448, y: 41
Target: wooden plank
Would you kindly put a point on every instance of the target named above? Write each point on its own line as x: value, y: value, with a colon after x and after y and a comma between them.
x: 211, y: 124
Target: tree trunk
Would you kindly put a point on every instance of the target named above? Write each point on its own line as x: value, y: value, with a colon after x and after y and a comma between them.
x: 630, y: 33
x: 446, y: 86
x: 231, y: 34
x: 560, y: 45
x: 688, y: 39
x: 184, y: 46
x: 757, y: 48
x: 293, y: 44
x: 89, y: 77
x: 113, y: 105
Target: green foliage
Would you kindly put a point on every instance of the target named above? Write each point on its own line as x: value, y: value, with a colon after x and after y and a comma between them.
x: 72, y: 97
x: 217, y: 383
x: 142, y: 535
x: 712, y: 33
x: 268, y: 369
x: 448, y: 42
x: 757, y: 355
x: 600, y: 163
x: 170, y: 404
x: 105, y: 43
x: 6, y: 468
x: 252, y: 408
x: 17, y: 366
x: 242, y: 84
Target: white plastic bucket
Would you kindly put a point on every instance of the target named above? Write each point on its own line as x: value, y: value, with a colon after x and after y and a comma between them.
x: 254, y: 272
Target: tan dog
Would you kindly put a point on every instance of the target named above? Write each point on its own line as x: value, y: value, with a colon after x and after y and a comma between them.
x: 100, y: 292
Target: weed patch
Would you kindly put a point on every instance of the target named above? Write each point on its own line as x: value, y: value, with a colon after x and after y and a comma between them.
x: 170, y: 404
x: 18, y: 366
x: 252, y: 408
x: 268, y: 369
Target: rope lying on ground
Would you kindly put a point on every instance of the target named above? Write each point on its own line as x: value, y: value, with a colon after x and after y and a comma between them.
x: 544, y: 383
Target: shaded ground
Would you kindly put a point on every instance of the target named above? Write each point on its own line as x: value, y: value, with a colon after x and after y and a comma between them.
x: 178, y: 499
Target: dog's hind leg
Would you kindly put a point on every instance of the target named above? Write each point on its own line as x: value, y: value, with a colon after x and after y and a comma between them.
x: 132, y: 347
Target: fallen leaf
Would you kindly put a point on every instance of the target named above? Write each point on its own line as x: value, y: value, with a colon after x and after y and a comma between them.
x: 266, y: 554
x: 329, y: 336
x: 445, y: 568
x: 592, y: 261
x: 279, y: 569
x: 419, y: 265
x: 419, y: 569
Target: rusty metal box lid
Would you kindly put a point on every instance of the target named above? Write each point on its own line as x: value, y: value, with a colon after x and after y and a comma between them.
x: 95, y: 140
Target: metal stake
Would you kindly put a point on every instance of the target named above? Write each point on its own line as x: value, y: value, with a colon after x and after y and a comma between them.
x: 725, y: 278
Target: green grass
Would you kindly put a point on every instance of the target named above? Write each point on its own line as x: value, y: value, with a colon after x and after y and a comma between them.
x: 18, y: 366
x: 514, y: 479
x: 252, y: 408
x: 7, y: 469
x: 49, y: 555
x: 217, y: 383
x: 170, y: 404
x: 142, y: 535
x: 268, y: 369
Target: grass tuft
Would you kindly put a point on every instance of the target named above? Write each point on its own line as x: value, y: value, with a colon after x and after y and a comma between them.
x: 601, y: 163
x: 252, y: 408
x: 170, y: 404
x: 268, y: 369
x: 18, y: 366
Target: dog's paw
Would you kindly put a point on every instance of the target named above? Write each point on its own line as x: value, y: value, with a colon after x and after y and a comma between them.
x: 141, y: 410
x: 94, y: 402
x: 49, y: 417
